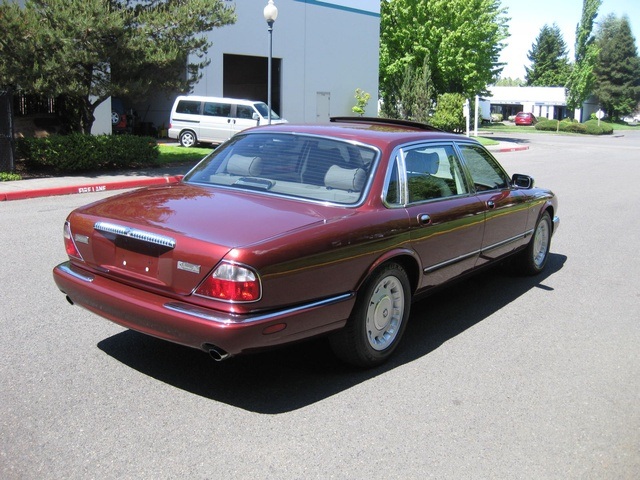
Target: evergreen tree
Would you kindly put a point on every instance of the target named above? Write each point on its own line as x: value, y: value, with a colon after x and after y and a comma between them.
x: 580, y: 83
x: 549, y: 61
x: 85, y: 51
x: 415, y: 96
x: 617, y: 71
x: 510, y: 82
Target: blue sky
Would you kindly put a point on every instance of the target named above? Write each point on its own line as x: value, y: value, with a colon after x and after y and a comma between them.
x: 528, y: 17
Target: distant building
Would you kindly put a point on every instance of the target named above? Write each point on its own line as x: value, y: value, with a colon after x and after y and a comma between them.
x: 543, y: 102
x: 322, y: 51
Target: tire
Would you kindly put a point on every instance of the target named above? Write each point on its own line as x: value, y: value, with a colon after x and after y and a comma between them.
x: 188, y: 139
x: 378, y: 320
x: 115, y: 118
x: 533, y: 259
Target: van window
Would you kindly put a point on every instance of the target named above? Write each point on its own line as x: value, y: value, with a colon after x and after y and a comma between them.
x: 216, y: 109
x: 244, y: 111
x: 189, y: 107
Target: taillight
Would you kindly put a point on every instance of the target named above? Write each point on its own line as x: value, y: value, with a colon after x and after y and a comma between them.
x: 231, y: 283
x: 69, y: 244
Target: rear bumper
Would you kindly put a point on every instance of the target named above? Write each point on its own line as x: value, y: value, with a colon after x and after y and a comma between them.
x: 556, y: 223
x: 194, y: 326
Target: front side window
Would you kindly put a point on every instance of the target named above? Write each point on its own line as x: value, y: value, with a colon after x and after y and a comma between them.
x: 302, y: 166
x: 244, y: 111
x: 485, y: 171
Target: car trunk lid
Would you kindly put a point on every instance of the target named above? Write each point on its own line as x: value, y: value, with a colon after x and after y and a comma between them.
x: 171, y: 237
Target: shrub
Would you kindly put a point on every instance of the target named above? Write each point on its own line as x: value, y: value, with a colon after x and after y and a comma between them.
x: 594, y: 129
x: 79, y: 152
x: 9, y: 177
x: 590, y: 127
x: 547, y: 125
x: 449, y: 114
x: 573, y: 127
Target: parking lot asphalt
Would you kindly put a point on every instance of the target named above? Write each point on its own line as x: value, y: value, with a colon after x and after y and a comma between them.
x: 105, y: 181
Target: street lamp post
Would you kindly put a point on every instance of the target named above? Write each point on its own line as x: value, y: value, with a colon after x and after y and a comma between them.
x: 270, y: 14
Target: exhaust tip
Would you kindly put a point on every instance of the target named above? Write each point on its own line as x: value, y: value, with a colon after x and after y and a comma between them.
x: 69, y: 300
x: 216, y: 353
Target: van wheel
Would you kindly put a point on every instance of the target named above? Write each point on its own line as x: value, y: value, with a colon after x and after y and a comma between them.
x: 188, y: 139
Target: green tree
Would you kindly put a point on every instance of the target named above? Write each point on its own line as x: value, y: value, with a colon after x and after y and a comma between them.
x: 460, y: 40
x: 580, y: 83
x: 549, y: 61
x: 617, y: 71
x: 85, y: 51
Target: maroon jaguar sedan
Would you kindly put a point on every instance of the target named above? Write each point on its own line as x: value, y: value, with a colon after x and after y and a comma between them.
x: 286, y: 232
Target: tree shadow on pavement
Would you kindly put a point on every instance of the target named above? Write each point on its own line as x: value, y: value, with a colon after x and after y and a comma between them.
x: 296, y: 376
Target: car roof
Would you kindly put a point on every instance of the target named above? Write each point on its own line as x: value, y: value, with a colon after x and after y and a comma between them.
x: 366, y: 130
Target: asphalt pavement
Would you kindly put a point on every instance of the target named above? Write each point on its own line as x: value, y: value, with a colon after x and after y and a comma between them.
x: 105, y: 181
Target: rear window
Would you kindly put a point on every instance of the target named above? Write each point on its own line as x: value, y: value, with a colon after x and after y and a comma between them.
x: 301, y: 166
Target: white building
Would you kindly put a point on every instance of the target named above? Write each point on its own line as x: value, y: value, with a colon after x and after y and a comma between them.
x: 322, y: 51
x: 543, y: 102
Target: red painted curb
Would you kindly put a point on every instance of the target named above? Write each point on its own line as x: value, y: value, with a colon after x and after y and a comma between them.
x: 513, y: 149
x: 88, y: 188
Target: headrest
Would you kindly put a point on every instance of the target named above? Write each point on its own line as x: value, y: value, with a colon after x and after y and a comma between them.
x: 350, y: 179
x: 241, y: 165
x: 420, y: 162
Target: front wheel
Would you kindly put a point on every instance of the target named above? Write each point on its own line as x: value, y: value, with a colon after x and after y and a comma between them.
x: 188, y: 139
x: 533, y: 259
x: 378, y: 319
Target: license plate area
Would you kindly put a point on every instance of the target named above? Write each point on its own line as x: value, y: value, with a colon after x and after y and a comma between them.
x: 138, y: 257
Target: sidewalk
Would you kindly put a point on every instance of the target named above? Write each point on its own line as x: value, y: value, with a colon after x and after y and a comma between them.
x: 50, y: 186
x: 46, y: 187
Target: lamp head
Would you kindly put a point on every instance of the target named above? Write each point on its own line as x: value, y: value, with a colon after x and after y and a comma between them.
x: 270, y: 12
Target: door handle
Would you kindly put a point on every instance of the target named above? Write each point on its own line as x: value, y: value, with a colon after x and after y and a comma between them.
x: 424, y: 219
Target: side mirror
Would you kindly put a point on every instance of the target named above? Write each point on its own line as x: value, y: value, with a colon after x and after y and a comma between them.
x: 522, y: 181
x: 256, y: 117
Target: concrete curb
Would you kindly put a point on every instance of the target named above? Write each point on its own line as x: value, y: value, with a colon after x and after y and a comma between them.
x: 99, y: 186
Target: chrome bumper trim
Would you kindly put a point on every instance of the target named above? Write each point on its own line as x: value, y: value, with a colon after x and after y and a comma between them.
x: 66, y: 268
x: 556, y: 223
x: 232, y: 319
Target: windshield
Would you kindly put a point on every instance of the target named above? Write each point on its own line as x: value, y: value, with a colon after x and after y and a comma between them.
x: 264, y: 111
x: 302, y: 166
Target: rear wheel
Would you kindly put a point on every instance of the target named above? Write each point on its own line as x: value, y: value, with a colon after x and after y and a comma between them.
x: 188, y: 139
x: 533, y: 259
x: 378, y: 319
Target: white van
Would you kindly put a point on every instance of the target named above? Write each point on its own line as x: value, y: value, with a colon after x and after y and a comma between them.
x: 214, y: 120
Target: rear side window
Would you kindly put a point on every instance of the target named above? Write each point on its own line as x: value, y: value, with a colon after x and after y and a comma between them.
x: 433, y: 171
x: 215, y: 109
x: 485, y: 171
x: 188, y: 107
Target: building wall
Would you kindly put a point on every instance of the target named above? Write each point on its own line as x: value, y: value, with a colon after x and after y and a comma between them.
x: 327, y: 49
